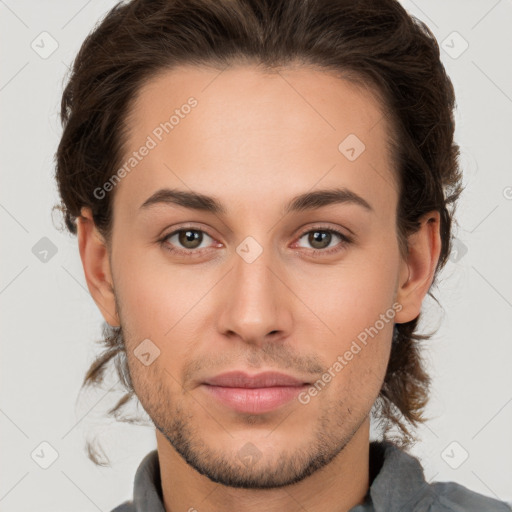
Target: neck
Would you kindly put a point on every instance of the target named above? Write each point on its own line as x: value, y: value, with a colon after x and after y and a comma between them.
x: 338, y: 486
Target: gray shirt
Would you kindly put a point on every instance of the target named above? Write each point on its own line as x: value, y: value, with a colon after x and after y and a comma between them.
x: 397, y: 485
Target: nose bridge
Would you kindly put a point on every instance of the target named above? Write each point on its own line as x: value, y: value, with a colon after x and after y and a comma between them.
x: 254, y: 305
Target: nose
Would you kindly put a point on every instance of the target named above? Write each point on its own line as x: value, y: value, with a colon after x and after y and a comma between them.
x: 255, y: 303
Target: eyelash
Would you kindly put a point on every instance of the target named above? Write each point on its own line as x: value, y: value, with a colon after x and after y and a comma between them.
x: 345, y: 241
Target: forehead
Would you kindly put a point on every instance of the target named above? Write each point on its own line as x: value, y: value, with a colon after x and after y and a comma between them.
x: 255, y: 133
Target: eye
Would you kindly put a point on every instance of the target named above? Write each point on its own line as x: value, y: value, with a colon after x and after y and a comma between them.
x: 320, y: 239
x: 185, y: 241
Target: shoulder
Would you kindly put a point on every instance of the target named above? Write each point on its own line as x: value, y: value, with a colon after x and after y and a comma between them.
x: 454, y: 497
x: 400, y: 484
x: 127, y: 506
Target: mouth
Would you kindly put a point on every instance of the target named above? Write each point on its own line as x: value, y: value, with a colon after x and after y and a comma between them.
x: 254, y: 394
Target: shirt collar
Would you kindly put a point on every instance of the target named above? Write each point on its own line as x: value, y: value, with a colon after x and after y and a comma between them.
x: 147, y: 485
x: 399, y: 483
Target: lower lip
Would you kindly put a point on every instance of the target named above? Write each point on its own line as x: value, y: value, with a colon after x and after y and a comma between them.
x: 254, y: 400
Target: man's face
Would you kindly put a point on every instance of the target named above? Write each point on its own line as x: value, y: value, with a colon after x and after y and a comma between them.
x: 252, y: 288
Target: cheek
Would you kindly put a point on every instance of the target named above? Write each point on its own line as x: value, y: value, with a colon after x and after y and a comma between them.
x: 350, y: 297
x: 153, y: 296
x: 355, y: 305
x: 357, y: 355
x: 164, y: 303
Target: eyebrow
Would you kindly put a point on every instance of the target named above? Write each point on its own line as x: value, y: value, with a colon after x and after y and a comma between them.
x: 303, y: 202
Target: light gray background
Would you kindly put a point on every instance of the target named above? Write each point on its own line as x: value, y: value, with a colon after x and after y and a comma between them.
x: 50, y: 322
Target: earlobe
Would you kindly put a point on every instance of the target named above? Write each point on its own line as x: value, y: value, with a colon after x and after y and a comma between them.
x: 417, y: 273
x: 96, y: 264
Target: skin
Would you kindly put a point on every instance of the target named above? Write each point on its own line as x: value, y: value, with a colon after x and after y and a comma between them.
x: 254, y: 141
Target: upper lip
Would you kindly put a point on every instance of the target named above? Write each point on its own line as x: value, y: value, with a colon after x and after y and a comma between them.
x: 237, y: 379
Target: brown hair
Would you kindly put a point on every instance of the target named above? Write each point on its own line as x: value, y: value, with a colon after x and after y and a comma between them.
x: 375, y: 43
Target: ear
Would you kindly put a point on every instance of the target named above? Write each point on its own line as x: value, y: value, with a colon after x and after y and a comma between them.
x: 417, y: 272
x: 95, y: 260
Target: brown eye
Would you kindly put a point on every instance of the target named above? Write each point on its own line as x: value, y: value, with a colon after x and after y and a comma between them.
x: 190, y: 238
x: 186, y: 241
x: 319, y: 239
